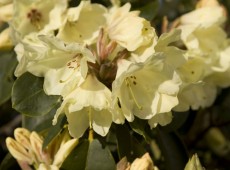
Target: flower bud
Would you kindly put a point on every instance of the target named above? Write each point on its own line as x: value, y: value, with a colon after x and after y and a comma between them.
x: 18, y: 151
x: 47, y: 167
x: 64, y: 151
x: 217, y: 142
x: 143, y: 163
x: 22, y: 136
x: 36, y: 144
x: 194, y: 164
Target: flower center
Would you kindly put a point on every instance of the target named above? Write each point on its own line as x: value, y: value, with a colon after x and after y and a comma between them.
x: 75, y: 62
x: 35, y: 17
x: 74, y: 65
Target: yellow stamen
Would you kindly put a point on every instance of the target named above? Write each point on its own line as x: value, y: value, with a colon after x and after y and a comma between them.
x: 132, y: 94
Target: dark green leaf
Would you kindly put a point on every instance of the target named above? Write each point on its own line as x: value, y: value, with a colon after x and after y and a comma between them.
x: 173, y: 150
x: 127, y: 144
x: 7, y: 65
x: 55, y: 130
x: 150, y: 10
x: 9, y: 163
x: 141, y: 127
x: 77, y: 158
x: 39, y: 123
x: 74, y: 3
x: 99, y: 158
x: 29, y: 98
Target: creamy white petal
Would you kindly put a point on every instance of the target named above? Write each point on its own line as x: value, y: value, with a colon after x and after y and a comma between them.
x: 78, y: 122
x: 101, y: 121
x: 162, y: 119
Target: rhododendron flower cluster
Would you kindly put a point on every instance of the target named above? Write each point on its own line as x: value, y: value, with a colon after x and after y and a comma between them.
x: 114, y: 67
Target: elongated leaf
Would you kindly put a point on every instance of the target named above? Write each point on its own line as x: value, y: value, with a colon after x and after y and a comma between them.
x: 99, y: 158
x: 7, y: 65
x: 77, y: 158
x: 55, y: 130
x: 9, y: 163
x: 150, y: 10
x: 173, y: 150
x: 29, y: 98
x: 128, y: 146
x: 141, y: 127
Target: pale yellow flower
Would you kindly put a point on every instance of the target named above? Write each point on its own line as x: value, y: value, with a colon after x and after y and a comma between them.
x: 149, y: 79
x: 35, y: 16
x: 62, y: 65
x: 84, y: 23
x: 87, y: 106
x: 128, y: 29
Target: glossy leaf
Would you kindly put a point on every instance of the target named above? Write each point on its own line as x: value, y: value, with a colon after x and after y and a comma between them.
x: 7, y: 65
x: 39, y: 123
x: 89, y: 156
x: 173, y: 150
x: 55, y: 130
x: 77, y: 158
x: 128, y: 146
x: 99, y: 157
x: 29, y: 98
x: 150, y: 10
x: 141, y: 127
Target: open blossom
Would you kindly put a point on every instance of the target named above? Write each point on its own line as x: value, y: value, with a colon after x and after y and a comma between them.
x: 207, y: 55
x: 128, y: 29
x: 86, y: 106
x: 104, y: 76
x: 36, y: 16
x: 27, y: 149
x: 62, y: 65
x: 84, y: 23
x: 149, y: 79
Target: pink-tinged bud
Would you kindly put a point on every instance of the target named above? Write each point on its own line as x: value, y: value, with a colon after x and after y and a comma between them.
x: 36, y: 144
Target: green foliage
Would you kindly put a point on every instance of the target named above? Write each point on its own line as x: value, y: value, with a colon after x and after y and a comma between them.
x: 173, y: 149
x: 55, y: 130
x: 142, y: 128
x: 127, y: 144
x: 29, y: 98
x: 99, y: 157
x: 7, y: 65
x: 77, y: 158
x: 89, y: 156
x: 39, y: 123
x: 150, y: 10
